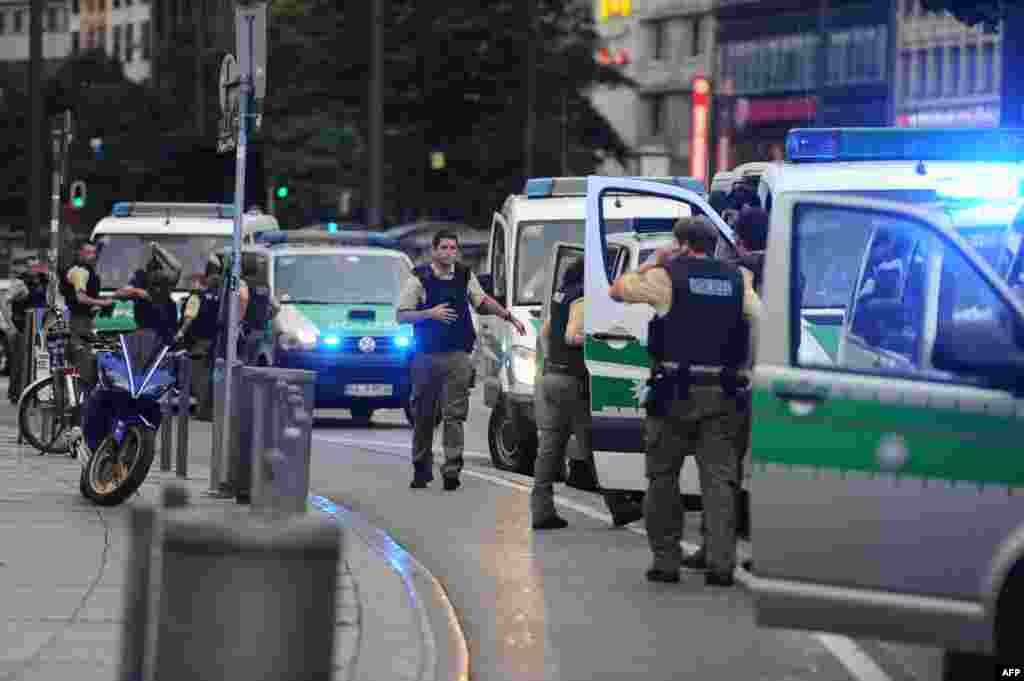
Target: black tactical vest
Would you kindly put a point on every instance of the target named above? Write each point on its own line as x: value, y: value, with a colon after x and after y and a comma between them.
x: 433, y: 336
x: 705, y: 325
x: 36, y: 298
x: 257, y: 314
x: 204, y: 326
x: 567, y: 359
x: 92, y: 289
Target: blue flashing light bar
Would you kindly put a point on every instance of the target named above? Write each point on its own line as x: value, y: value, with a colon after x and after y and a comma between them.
x: 128, y: 209
x: 403, y: 341
x: 318, y: 237
x: 331, y: 341
x: 539, y: 187
x: 991, y: 145
x: 546, y: 187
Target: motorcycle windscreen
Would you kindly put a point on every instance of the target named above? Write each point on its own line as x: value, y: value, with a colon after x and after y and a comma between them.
x: 144, y: 348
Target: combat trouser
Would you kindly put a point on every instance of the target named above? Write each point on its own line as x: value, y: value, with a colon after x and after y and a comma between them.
x: 440, y: 377
x: 201, y: 351
x: 704, y: 426
x: 80, y: 350
x: 562, y: 409
x: 15, y: 359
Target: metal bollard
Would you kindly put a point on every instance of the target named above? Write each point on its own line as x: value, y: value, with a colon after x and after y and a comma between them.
x: 247, y: 597
x: 166, y: 431
x: 184, y: 414
x: 222, y: 468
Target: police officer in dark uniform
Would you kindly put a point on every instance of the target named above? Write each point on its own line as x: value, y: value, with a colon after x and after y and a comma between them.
x: 562, y: 401
x: 151, y: 288
x: 261, y: 309
x: 80, y: 287
x: 437, y: 301
x: 692, y: 394
x: 28, y: 292
x: 198, y: 332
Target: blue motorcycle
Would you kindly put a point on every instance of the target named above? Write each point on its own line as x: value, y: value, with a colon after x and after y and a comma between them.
x: 122, y: 413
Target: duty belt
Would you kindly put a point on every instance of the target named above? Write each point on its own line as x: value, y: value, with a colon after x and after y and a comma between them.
x: 705, y: 375
x: 559, y: 368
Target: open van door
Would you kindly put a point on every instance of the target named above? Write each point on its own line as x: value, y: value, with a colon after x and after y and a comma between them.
x: 616, y: 343
x: 562, y: 255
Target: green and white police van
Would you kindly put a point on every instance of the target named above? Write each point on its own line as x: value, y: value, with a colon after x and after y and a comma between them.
x: 189, y: 231
x: 523, y: 235
x: 338, y: 294
x: 886, y: 482
x: 971, y: 175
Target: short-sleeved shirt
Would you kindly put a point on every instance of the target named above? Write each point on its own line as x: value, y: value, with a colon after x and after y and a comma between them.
x: 413, y: 294
x: 78, y: 277
x: 192, y: 306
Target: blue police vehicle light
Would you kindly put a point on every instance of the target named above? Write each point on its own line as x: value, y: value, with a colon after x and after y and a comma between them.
x: 539, y: 187
x: 403, y: 341
x: 1003, y: 184
x: 332, y: 341
x: 332, y: 227
x: 990, y: 145
x: 122, y: 209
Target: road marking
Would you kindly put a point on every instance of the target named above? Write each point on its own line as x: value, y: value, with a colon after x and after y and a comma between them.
x: 860, y: 665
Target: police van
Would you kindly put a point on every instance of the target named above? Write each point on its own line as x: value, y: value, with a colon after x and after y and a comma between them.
x: 523, y: 234
x: 189, y: 231
x: 338, y: 294
x: 970, y: 175
x: 887, y: 483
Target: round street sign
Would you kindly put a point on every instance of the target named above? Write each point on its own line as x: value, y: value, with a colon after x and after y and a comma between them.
x: 229, y: 90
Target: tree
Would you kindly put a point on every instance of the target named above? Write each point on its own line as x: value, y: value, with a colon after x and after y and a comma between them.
x: 1006, y: 17
x: 454, y: 82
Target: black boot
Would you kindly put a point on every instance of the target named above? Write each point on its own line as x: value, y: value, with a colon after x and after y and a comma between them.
x: 422, y: 475
x: 624, y: 507
x: 582, y: 476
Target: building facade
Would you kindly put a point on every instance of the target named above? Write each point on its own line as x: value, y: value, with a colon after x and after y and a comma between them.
x: 783, y: 64
x: 949, y: 74
x: 664, y: 45
x: 14, y: 27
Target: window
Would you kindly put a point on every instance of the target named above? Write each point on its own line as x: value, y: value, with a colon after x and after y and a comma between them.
x: 972, y: 69
x: 498, y: 264
x: 144, y: 29
x: 340, y: 278
x: 954, y: 71
x: 52, y: 20
x: 101, y: 39
x: 19, y: 21
x: 116, y: 3
x: 922, y: 73
x: 659, y: 40
x: 988, y: 53
x: 695, y: 36
x: 129, y: 42
x: 905, y: 60
x: 75, y: 7
x: 117, y: 42
x: 908, y: 7
x: 3, y: 22
x: 938, y: 56
x: 655, y: 114
x: 76, y: 42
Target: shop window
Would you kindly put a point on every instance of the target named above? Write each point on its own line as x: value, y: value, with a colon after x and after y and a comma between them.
x: 938, y: 55
x: 954, y: 71
x: 988, y: 59
x: 972, y: 69
x: 905, y: 62
x: 922, y: 73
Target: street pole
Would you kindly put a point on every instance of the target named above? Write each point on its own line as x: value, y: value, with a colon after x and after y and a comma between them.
x: 247, y: 88
x: 821, y: 72
x: 36, y: 117
x: 62, y: 136
x: 531, y: 87
x: 890, y: 61
x: 374, y: 219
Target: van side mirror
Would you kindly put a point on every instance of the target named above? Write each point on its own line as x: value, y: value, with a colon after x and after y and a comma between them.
x: 980, y: 349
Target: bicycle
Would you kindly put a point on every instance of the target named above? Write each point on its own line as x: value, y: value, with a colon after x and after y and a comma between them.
x: 57, y: 398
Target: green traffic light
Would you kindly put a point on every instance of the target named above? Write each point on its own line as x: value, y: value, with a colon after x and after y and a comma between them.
x: 77, y: 202
x: 282, y: 192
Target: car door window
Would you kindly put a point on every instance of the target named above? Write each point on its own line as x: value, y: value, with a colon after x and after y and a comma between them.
x: 498, y: 268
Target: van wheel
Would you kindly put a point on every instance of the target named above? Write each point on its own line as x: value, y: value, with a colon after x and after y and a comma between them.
x: 361, y: 415
x: 513, y: 446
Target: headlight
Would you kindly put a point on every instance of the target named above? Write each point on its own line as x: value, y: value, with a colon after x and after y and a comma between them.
x: 112, y: 372
x: 304, y: 340
x: 523, y: 364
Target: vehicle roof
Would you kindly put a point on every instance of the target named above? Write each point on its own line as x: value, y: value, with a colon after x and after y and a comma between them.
x: 293, y: 250
x: 520, y: 208
x: 181, y: 225
x: 866, y: 175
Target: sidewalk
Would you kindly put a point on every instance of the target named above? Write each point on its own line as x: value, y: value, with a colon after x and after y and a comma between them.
x: 62, y: 577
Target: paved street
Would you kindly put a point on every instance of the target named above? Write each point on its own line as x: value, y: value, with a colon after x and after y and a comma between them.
x: 566, y: 605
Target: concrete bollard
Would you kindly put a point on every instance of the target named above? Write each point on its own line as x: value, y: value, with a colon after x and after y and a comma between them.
x: 221, y: 460
x: 184, y: 402
x: 166, y: 431
x: 247, y: 597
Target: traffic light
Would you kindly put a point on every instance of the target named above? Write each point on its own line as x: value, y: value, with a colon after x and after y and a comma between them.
x: 78, y: 194
x: 332, y: 227
x: 281, y: 191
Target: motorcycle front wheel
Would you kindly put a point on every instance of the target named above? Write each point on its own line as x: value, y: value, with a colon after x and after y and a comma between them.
x: 114, y: 473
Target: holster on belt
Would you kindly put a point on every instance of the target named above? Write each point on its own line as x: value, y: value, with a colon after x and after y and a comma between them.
x: 664, y: 387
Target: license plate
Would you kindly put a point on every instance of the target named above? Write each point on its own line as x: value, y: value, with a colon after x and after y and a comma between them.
x: 369, y: 389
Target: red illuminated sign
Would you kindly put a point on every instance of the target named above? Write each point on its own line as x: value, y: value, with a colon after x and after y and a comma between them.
x: 700, y: 127
x: 619, y: 57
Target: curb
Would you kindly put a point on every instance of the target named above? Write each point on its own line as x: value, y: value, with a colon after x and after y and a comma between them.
x: 441, y: 660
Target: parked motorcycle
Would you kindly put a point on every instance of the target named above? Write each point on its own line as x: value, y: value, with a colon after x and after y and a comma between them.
x: 121, y: 416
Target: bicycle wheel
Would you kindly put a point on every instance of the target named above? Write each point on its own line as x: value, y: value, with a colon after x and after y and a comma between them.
x: 45, y: 417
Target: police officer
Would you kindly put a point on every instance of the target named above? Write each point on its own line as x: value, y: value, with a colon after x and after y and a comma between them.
x: 28, y: 291
x: 80, y: 286
x: 437, y: 301
x: 150, y: 289
x: 692, y: 393
x: 562, y: 402
x: 261, y: 309
x: 198, y: 332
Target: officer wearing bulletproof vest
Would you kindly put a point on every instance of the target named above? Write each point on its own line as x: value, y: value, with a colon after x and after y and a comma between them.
x: 150, y: 288
x: 261, y: 309
x: 437, y: 301
x: 699, y: 343
x: 198, y: 332
x: 80, y: 286
x: 28, y: 291
x: 562, y: 402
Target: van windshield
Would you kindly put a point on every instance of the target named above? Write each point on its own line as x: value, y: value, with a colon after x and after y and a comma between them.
x: 120, y: 255
x: 339, y: 278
